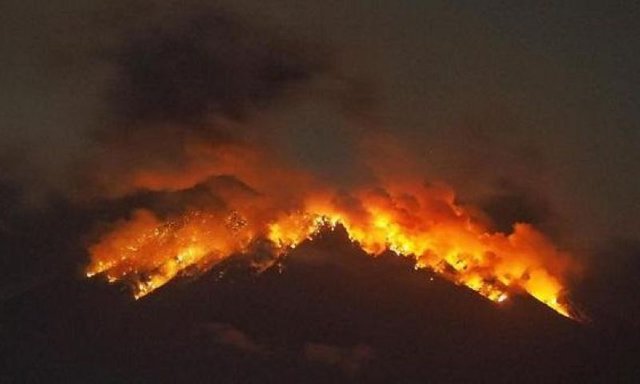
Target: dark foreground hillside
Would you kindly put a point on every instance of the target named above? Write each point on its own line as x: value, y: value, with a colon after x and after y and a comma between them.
x: 330, y: 313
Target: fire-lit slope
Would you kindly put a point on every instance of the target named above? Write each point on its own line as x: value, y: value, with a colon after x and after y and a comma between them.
x: 414, y: 325
x: 418, y: 221
x: 203, y: 96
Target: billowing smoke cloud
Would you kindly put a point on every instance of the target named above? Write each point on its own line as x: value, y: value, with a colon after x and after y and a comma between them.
x: 136, y: 88
x: 190, y: 96
x: 207, y: 64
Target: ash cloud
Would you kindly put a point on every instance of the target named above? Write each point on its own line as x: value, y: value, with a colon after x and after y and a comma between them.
x: 511, y: 203
x: 207, y: 63
x: 139, y: 84
x: 195, y: 77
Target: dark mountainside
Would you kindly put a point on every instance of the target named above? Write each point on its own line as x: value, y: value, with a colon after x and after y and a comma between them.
x: 327, y: 313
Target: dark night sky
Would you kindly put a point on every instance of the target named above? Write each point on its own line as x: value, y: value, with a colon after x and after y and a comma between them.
x: 528, y: 109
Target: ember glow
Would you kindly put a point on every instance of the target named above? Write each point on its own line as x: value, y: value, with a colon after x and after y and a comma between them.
x: 412, y: 220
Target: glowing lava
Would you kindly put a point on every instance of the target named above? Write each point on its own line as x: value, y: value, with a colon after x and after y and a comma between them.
x: 415, y: 221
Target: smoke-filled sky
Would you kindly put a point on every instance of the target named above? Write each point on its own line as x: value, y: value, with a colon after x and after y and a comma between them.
x: 527, y: 110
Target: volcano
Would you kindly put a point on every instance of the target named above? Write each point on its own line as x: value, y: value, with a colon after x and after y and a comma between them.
x: 327, y: 313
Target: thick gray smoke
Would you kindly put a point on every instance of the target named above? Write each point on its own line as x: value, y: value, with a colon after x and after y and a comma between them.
x: 127, y: 86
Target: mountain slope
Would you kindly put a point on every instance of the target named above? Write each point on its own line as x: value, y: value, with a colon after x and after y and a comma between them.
x: 326, y: 313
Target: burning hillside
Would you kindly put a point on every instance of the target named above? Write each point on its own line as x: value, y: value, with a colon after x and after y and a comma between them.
x: 415, y: 221
x: 203, y: 112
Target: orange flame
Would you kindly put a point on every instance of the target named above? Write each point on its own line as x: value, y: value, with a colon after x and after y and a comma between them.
x: 412, y: 220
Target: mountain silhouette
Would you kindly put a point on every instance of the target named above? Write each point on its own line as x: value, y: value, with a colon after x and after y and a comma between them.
x: 327, y: 312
